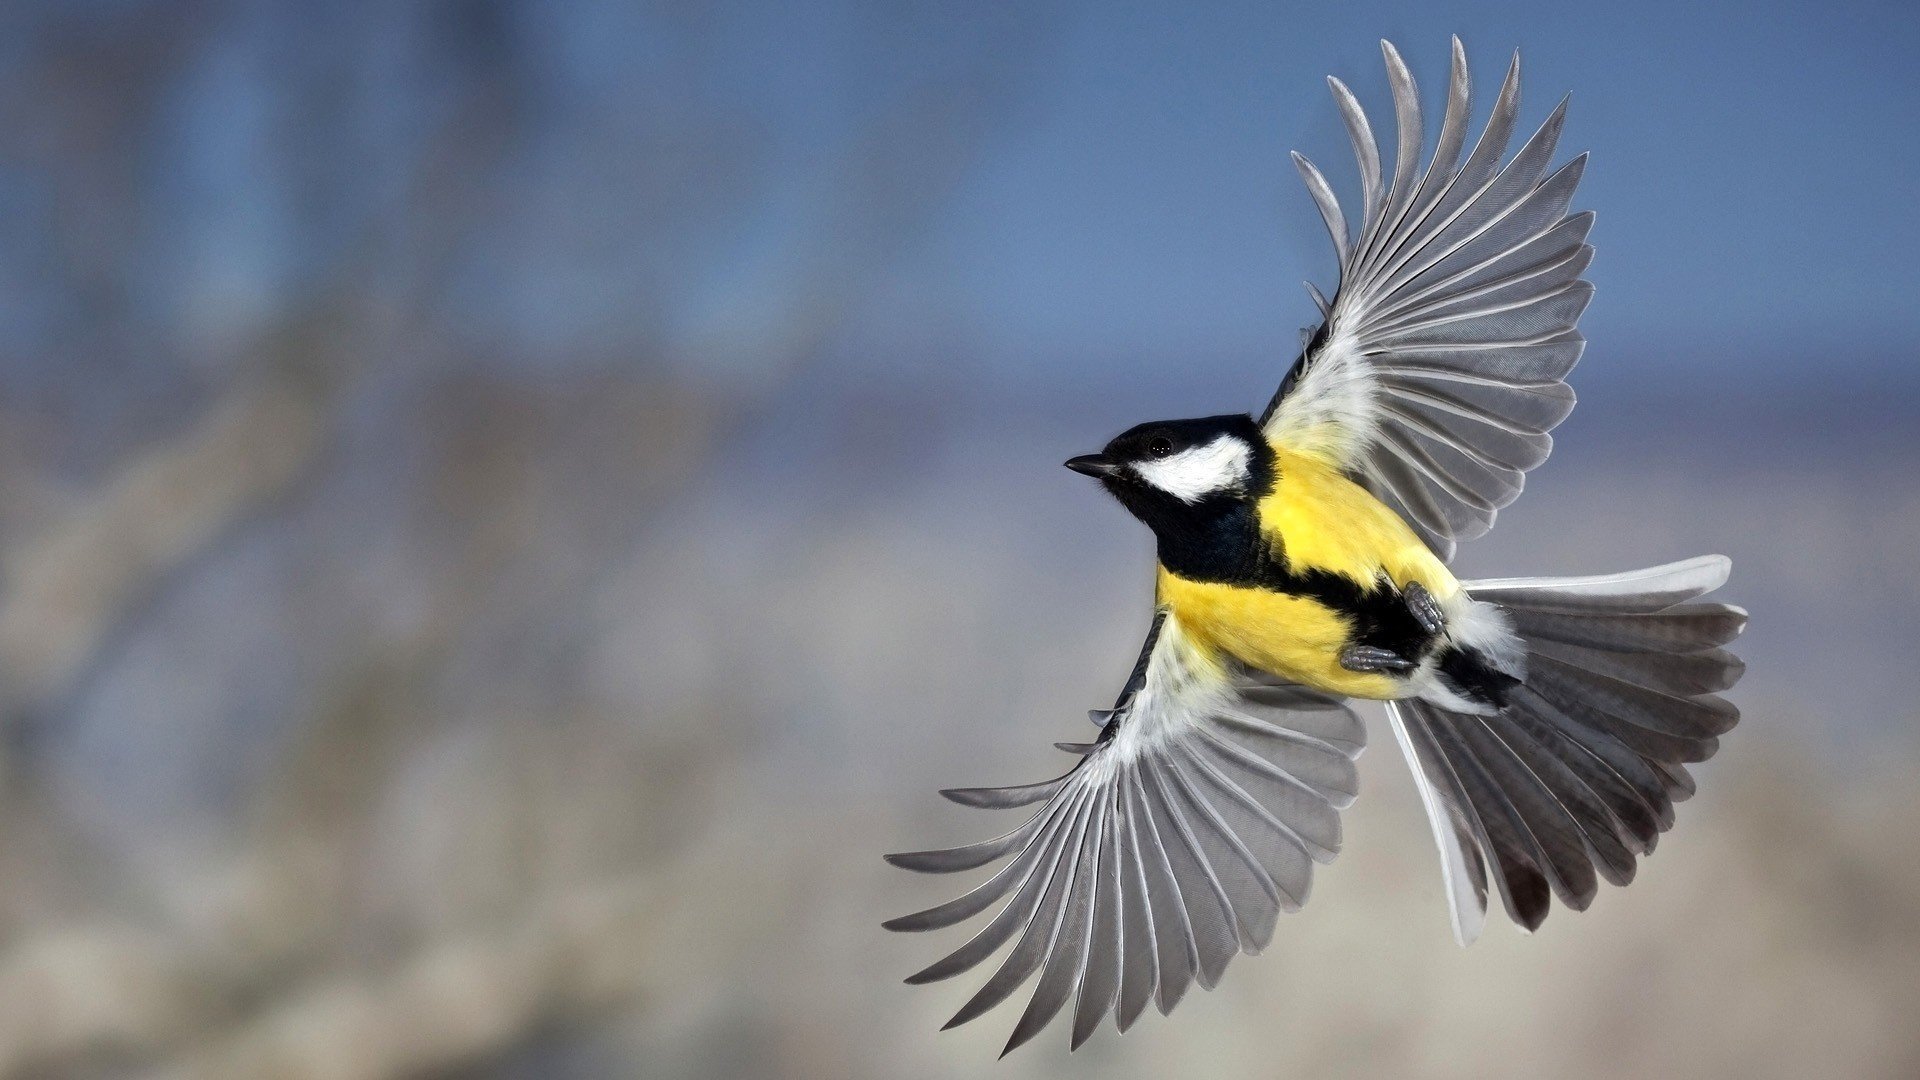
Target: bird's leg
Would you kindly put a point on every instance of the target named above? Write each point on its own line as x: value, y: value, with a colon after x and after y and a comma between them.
x: 1374, y: 660
x: 1425, y: 609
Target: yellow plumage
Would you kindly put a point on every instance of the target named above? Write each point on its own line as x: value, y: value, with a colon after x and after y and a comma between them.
x: 1323, y: 521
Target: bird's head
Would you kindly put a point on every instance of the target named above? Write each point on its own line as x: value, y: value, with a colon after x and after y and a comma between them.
x: 1171, y: 472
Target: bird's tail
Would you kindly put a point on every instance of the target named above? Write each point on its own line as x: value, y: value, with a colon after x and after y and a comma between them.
x: 1578, y: 773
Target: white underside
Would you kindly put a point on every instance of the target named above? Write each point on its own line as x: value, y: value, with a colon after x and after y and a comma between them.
x: 1482, y: 627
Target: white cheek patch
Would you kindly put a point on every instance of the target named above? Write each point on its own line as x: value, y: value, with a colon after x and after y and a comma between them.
x: 1195, y: 473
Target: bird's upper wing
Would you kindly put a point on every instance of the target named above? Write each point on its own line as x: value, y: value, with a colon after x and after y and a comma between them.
x: 1439, y: 366
x: 1175, y: 843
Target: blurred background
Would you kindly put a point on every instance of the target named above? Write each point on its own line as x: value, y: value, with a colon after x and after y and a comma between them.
x: 507, y: 509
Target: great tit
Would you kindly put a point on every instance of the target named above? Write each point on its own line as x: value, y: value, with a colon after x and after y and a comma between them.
x: 1302, y: 561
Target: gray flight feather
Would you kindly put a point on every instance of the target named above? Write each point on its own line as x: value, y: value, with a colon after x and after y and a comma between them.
x: 1039, y: 932
x: 1580, y: 804
x: 1172, y: 846
x: 1466, y: 274
x: 951, y: 860
x: 1099, y: 985
x: 1139, y: 959
x: 1365, y: 150
x: 1635, y: 592
x: 1406, y: 114
x: 1018, y: 912
x: 1323, y: 198
x: 1004, y: 798
x: 1067, y: 949
x: 1321, y: 302
x: 1446, y: 153
x: 1555, y: 835
x: 1686, y: 628
x: 1209, y: 910
x: 1176, y: 956
x: 999, y: 885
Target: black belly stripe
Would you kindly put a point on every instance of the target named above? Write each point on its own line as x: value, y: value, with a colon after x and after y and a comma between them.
x: 1379, y: 614
x: 1220, y: 541
x: 1223, y: 544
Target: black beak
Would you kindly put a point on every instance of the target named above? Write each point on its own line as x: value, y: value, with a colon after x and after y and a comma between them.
x: 1093, y: 465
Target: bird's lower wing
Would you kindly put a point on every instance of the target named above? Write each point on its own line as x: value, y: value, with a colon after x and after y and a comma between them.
x: 1174, y: 843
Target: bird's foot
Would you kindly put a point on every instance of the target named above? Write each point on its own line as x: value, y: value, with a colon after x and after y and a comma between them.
x: 1425, y: 609
x: 1373, y: 660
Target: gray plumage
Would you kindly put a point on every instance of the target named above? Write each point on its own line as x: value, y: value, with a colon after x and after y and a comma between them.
x: 1441, y: 360
x: 1579, y: 773
x: 1157, y: 859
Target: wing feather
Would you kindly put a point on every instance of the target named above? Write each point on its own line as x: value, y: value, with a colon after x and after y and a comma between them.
x: 1365, y: 150
x: 1098, y: 990
x: 1173, y: 845
x: 1471, y: 274
x: 1330, y: 213
x: 1140, y: 956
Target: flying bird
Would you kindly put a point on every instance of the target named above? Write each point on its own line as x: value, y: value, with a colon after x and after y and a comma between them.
x: 1302, y: 561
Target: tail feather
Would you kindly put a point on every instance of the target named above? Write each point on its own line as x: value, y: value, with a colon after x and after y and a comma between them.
x: 1688, y: 628
x: 1655, y: 588
x: 1577, y: 775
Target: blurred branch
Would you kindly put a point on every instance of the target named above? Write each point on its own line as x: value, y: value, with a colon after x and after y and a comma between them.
x: 256, y: 986
x: 289, y: 954
x: 91, y: 988
x: 123, y: 992
x: 69, y: 586
x: 452, y: 1002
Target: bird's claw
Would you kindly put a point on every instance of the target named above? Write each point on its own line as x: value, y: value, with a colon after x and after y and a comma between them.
x: 1425, y: 609
x: 1374, y: 660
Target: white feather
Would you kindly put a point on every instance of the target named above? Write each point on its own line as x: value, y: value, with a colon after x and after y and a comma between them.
x: 1467, y: 904
x: 1471, y: 624
x: 1181, y: 689
x: 1486, y: 628
x: 1333, y: 411
x: 1199, y: 471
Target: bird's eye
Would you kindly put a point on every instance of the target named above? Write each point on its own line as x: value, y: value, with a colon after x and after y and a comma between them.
x: 1160, y: 448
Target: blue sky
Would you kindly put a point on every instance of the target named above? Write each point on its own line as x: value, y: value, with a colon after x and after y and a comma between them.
x: 1753, y: 170
x: 1129, y: 203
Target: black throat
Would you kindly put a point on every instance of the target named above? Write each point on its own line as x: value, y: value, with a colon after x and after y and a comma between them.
x: 1217, y: 539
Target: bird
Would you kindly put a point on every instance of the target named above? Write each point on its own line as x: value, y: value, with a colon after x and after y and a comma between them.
x: 1302, y: 563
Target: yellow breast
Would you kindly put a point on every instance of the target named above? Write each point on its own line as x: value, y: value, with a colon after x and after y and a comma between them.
x: 1294, y: 637
x: 1322, y: 520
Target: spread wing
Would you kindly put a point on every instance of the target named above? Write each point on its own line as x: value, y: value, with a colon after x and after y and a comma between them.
x: 1177, y: 840
x: 1439, y: 366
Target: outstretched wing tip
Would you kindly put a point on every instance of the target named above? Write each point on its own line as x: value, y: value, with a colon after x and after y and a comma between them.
x: 920, y: 862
